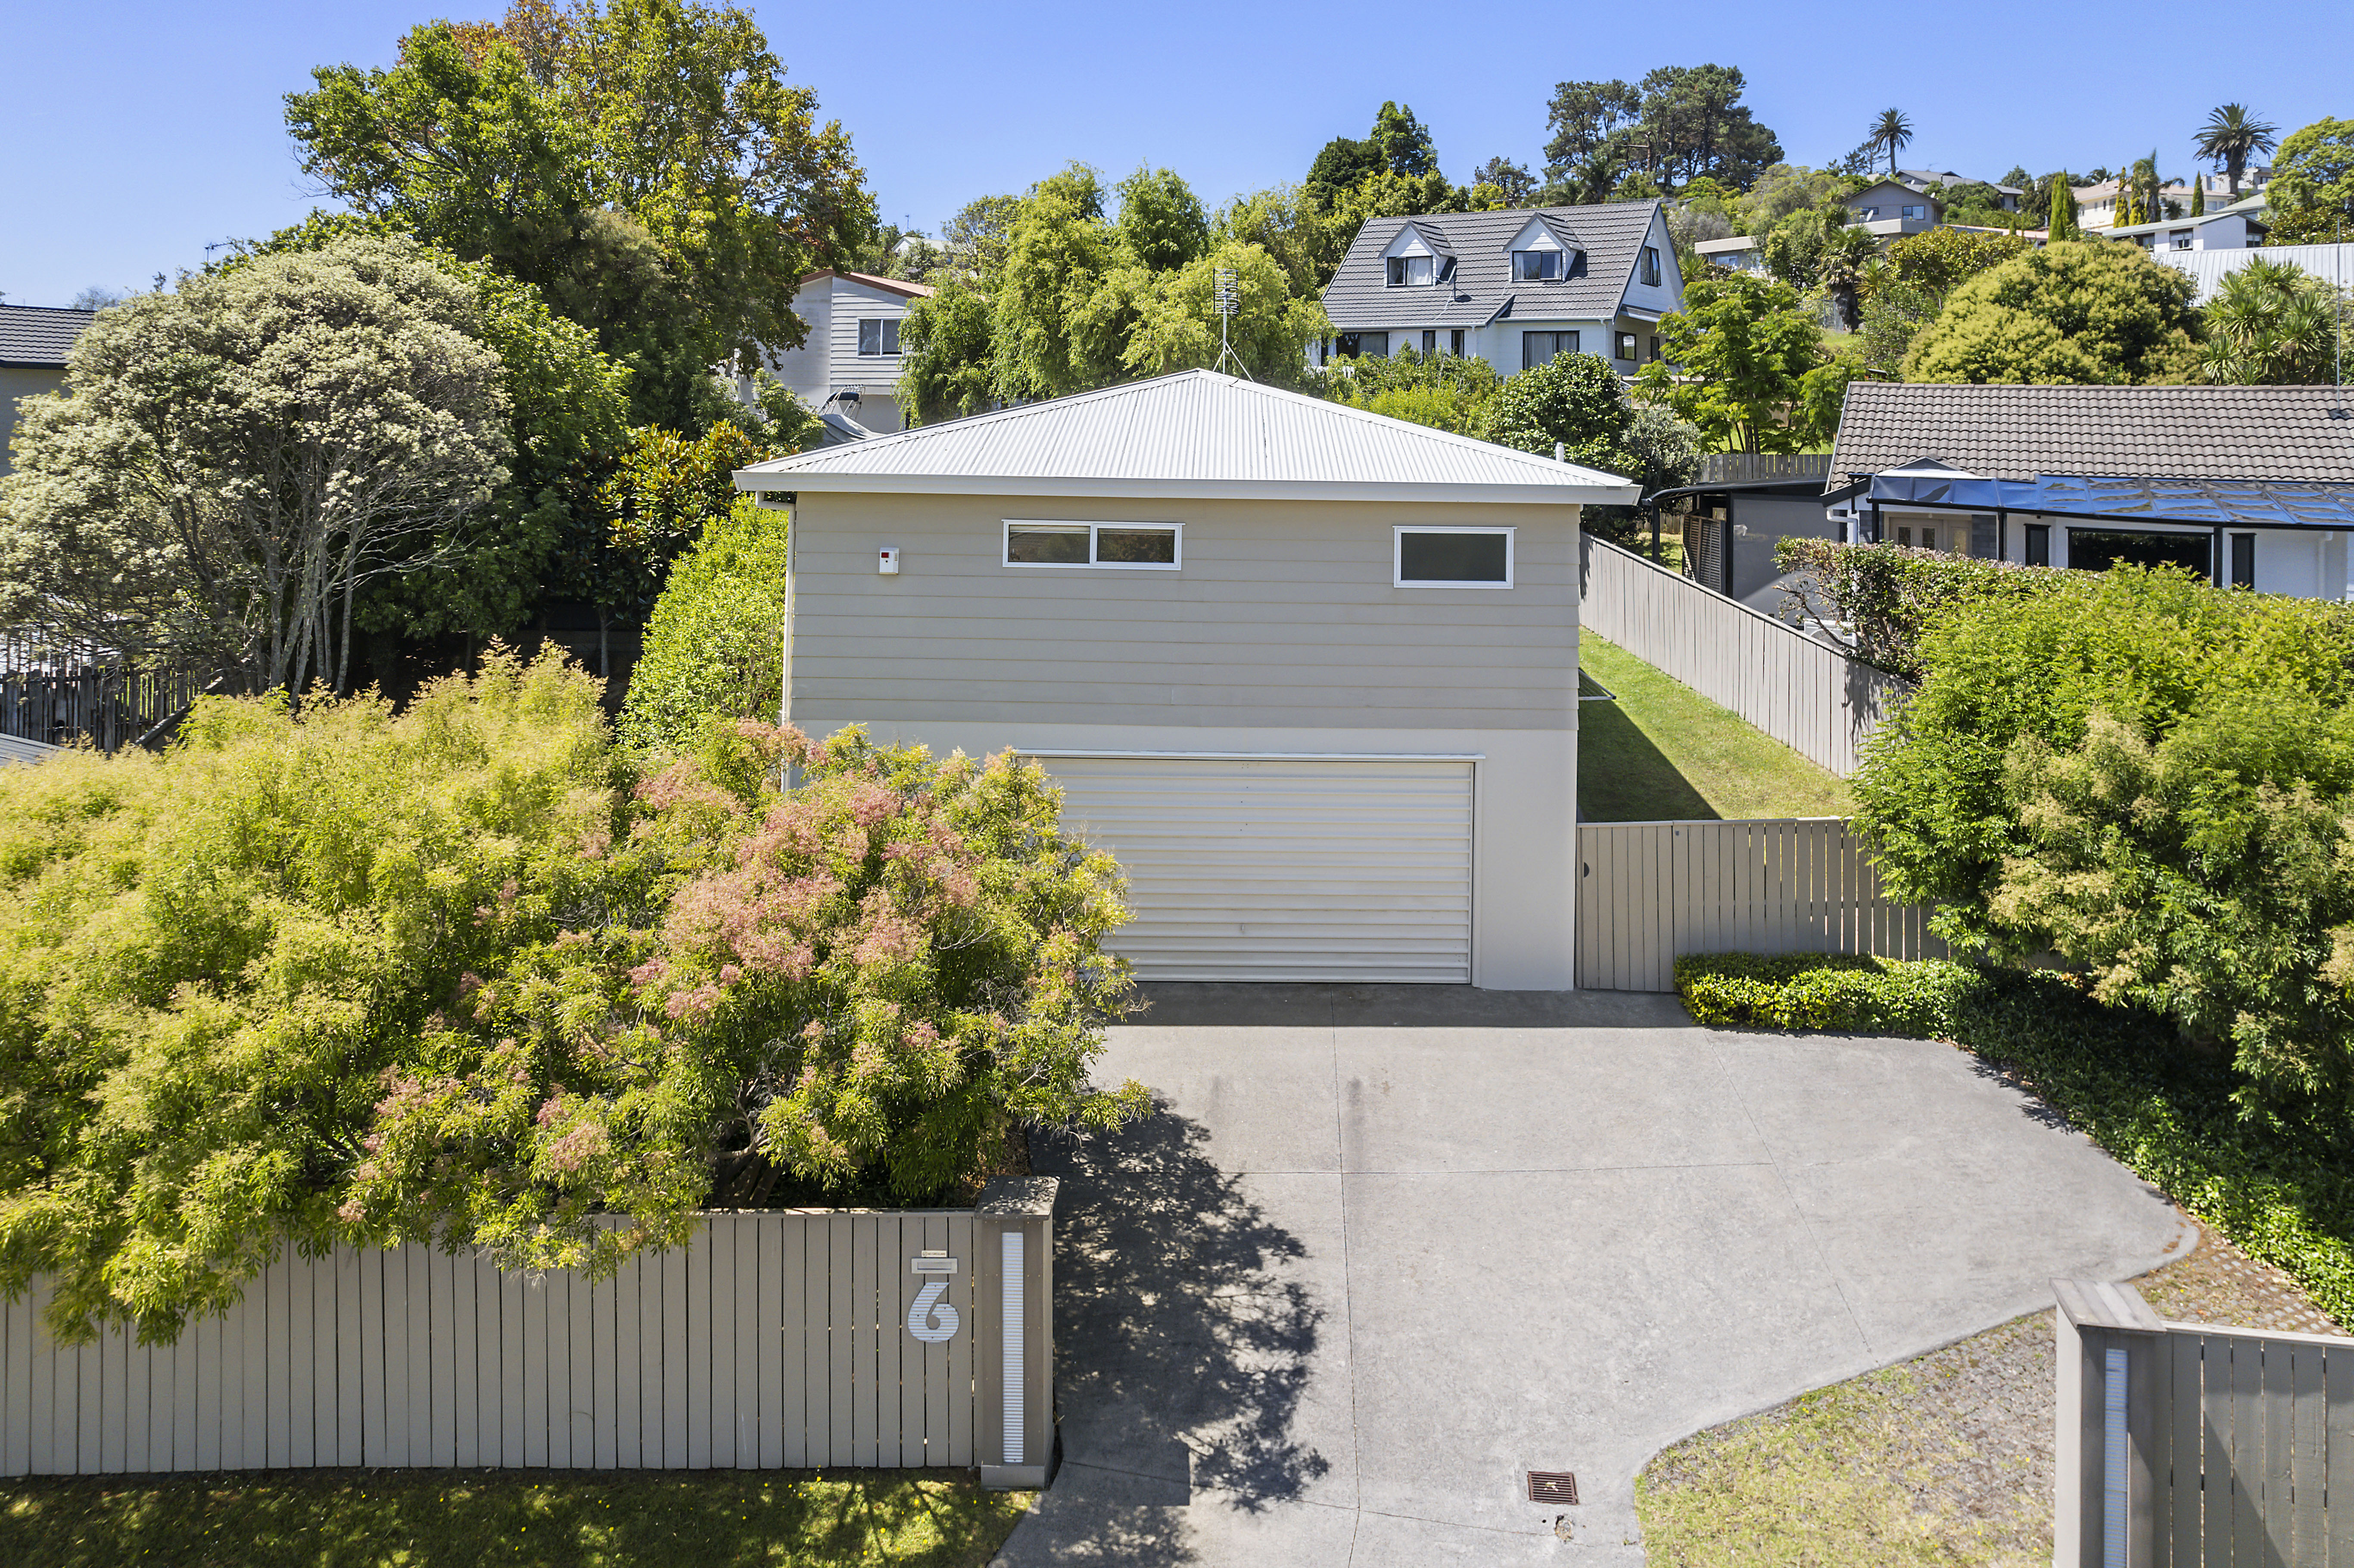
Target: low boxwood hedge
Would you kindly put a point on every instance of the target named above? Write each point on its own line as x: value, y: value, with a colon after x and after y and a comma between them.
x: 2283, y: 1189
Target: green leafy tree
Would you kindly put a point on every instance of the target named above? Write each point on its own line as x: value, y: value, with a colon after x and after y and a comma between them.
x: 1054, y: 328
x: 1679, y: 124
x: 944, y: 354
x: 457, y: 976
x: 1735, y: 363
x: 1512, y: 181
x: 2271, y: 324
x: 1177, y: 324
x: 1848, y: 260
x: 715, y: 642
x: 644, y: 163
x: 2150, y: 777
x: 1445, y: 391
x: 2093, y: 313
x: 2310, y: 200
x: 1892, y: 131
x: 2199, y: 196
x: 236, y: 464
x: 1795, y: 249
x: 1785, y: 189
x: 1281, y: 222
x: 668, y: 489
x: 1574, y: 399
x: 1404, y: 141
x: 1339, y: 164
x: 977, y: 238
x: 1161, y: 220
x: 2231, y: 137
x: 1918, y: 272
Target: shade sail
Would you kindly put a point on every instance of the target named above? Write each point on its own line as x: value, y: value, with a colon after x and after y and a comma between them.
x: 2262, y: 504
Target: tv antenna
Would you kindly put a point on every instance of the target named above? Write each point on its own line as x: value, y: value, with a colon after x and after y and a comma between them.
x: 1222, y: 283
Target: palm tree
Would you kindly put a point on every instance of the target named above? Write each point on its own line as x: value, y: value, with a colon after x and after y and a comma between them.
x: 2271, y: 323
x: 1847, y: 261
x: 2231, y: 137
x: 1892, y: 131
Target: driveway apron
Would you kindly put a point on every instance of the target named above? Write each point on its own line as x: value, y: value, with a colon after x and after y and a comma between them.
x: 1385, y: 1250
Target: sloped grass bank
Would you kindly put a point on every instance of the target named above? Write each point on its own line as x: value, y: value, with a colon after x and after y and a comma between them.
x: 457, y: 1519
x: 2281, y: 1189
x: 1662, y: 750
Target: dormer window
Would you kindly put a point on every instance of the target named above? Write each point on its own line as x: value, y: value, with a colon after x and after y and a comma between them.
x: 1535, y: 266
x: 1411, y: 271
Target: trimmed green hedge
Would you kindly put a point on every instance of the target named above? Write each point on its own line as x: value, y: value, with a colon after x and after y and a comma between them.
x: 2280, y: 1188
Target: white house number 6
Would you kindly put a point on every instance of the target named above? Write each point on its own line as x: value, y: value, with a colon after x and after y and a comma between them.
x: 932, y: 1319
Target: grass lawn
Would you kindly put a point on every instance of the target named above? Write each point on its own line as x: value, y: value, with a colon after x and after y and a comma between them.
x: 1663, y: 751
x: 454, y: 1518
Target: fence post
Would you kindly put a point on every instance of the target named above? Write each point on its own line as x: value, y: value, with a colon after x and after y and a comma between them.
x: 2108, y: 1464
x: 1013, y: 1235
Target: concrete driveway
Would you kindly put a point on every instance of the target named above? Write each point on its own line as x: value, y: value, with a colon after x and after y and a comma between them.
x: 1386, y: 1249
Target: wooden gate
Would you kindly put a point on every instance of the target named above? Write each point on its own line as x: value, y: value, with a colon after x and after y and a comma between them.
x: 1648, y: 893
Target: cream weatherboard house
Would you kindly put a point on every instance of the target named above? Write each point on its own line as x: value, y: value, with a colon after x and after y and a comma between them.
x: 1310, y: 673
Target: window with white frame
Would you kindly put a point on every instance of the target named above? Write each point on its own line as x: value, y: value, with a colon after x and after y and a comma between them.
x: 1131, y: 546
x: 1438, y: 556
x: 1914, y: 210
x: 1540, y: 347
x: 878, y: 335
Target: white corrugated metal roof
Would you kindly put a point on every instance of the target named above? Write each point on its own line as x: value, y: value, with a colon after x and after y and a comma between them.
x: 2330, y: 263
x: 1196, y: 433
x: 16, y: 748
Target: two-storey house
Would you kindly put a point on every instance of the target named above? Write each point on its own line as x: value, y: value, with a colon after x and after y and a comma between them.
x: 849, y: 365
x: 1511, y: 288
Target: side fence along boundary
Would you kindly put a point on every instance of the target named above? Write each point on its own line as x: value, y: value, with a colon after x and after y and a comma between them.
x: 110, y: 707
x: 1648, y: 893
x: 776, y: 1340
x: 1808, y: 696
x: 2190, y: 1445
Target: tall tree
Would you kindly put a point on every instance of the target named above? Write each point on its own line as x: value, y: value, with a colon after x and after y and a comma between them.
x: 1584, y: 116
x: 1161, y: 220
x: 1742, y: 350
x: 1892, y: 131
x: 1681, y: 123
x: 2231, y: 137
x: 1053, y: 328
x: 2311, y: 196
x: 239, y: 460
x: 1518, y: 186
x: 1404, y: 141
x: 643, y: 162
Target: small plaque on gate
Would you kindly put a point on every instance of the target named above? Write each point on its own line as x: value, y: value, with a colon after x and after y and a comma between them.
x: 932, y: 1263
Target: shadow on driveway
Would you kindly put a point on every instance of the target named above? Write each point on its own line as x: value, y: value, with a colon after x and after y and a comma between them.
x: 1259, y: 1004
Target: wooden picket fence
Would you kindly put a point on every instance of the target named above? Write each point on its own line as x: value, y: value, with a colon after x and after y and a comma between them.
x: 1648, y: 893
x: 782, y: 1340
x: 2190, y: 1445
x: 1805, y: 694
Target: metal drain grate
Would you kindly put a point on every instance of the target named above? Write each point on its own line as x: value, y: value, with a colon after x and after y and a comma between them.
x: 1552, y: 1486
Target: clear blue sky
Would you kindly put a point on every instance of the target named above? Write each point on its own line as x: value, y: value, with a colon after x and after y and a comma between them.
x: 132, y: 134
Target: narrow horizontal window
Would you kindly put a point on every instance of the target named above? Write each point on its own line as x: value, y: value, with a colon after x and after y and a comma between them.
x: 1352, y: 344
x: 1147, y: 547
x: 1454, y: 557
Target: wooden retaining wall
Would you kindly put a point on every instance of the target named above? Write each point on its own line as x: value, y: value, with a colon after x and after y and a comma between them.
x: 783, y: 1340
x: 1804, y: 693
x: 1648, y: 893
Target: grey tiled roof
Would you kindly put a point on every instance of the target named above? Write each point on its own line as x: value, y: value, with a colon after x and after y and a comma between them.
x: 1360, y: 297
x: 2112, y: 432
x: 36, y: 335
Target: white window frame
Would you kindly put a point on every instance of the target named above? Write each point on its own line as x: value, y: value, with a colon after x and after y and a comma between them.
x: 1401, y: 270
x: 885, y: 328
x: 1005, y: 545
x: 1560, y: 264
x: 1399, y: 531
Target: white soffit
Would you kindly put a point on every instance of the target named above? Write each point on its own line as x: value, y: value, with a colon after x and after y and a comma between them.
x: 1193, y: 434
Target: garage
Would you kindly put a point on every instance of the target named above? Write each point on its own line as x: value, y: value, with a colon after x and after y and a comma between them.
x: 1284, y: 867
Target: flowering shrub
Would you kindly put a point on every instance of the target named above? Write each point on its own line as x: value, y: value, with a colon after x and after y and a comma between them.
x: 456, y: 976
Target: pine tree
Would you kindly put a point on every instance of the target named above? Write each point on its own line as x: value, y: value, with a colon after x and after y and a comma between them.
x: 2063, y: 210
x: 2199, y: 196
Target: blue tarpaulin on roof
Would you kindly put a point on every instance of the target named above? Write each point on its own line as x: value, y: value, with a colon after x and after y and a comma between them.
x: 2262, y: 504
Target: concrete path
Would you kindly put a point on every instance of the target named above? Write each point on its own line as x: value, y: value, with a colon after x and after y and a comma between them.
x: 1387, y: 1248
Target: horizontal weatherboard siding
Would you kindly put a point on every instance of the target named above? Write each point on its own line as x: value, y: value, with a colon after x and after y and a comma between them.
x: 1283, y: 614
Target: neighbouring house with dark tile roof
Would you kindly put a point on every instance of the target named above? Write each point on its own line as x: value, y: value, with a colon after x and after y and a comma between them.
x: 33, y: 344
x: 1511, y: 288
x: 2251, y: 487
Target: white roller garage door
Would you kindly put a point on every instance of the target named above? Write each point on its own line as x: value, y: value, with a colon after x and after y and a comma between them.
x: 1275, y: 869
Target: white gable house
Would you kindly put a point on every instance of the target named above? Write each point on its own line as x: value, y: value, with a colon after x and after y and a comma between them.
x: 850, y: 364
x: 1512, y: 288
x: 1309, y: 673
